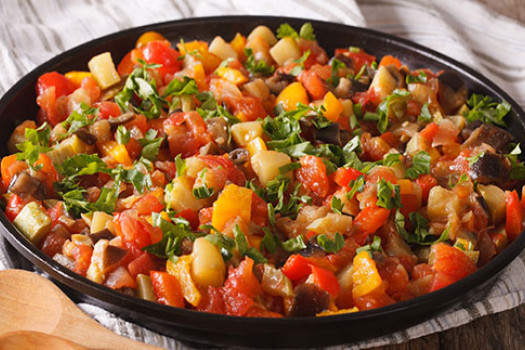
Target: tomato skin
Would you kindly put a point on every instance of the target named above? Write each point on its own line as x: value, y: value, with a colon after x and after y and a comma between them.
x: 343, y: 176
x: 55, y: 212
x: 142, y: 264
x: 426, y: 182
x: 167, y: 289
x: 235, y: 302
x: 212, y: 301
x: 148, y: 204
x: 450, y: 265
x: 82, y: 255
x: 225, y: 168
x: 315, y: 86
x: 250, y: 107
x: 430, y: 131
x: 368, y: 221
x: 513, y: 223
x: 107, y: 109
x: 191, y: 215
x: 62, y: 85
x: 49, y: 172
x: 312, y: 175
x: 10, y: 167
x: 161, y: 52
x: 259, y: 215
x: 243, y: 280
x: 125, y: 67
x: 296, y: 267
x: 134, y: 232
x: 187, y: 132
x: 15, y: 204
x: 325, y: 280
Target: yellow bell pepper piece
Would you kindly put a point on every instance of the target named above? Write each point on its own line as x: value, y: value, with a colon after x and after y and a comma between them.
x: 292, y: 95
x: 147, y: 37
x: 76, y: 77
x: 118, y: 152
x: 366, y: 278
x: 256, y: 145
x: 238, y: 43
x: 333, y: 107
x: 405, y: 186
x: 338, y: 312
x: 182, y: 270
x: 233, y: 202
x: 191, y: 46
x: 198, y: 73
x: 232, y: 75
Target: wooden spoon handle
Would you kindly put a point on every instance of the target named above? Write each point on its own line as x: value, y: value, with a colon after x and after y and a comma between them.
x: 29, y: 302
x: 29, y: 340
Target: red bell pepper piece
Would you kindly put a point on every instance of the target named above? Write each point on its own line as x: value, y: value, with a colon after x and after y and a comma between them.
x: 429, y: 131
x: 325, y: 280
x: 296, y: 267
x: 167, y: 289
x: 426, y: 182
x: 343, y: 176
x: 513, y: 224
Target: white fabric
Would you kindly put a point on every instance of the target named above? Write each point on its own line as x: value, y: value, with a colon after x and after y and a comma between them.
x: 33, y: 31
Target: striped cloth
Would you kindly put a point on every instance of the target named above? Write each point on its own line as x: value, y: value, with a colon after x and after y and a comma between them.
x: 33, y: 31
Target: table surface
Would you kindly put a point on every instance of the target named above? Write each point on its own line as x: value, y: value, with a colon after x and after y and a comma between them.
x: 499, y: 331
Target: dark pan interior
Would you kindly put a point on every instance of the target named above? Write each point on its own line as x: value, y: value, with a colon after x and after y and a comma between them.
x: 218, y: 330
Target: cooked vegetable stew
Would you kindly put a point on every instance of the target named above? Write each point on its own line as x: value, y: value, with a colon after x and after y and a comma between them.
x: 261, y: 178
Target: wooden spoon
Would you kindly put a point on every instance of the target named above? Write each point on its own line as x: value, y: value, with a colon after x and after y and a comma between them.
x: 29, y: 302
x: 36, y: 340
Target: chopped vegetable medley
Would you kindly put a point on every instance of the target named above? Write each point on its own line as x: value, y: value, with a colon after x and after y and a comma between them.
x: 259, y: 177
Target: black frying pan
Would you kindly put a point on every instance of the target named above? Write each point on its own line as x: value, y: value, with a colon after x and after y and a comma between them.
x: 214, y: 330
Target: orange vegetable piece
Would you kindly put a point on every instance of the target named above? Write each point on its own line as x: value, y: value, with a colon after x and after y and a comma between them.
x: 366, y: 277
x: 333, y: 107
x: 513, y: 223
x: 167, y: 289
x: 118, y: 152
x: 182, y: 271
x: 292, y: 95
x: 238, y: 43
x: 147, y: 37
x: 388, y: 60
x: 195, y: 45
x: 232, y: 75
x: 234, y: 201
x: 76, y: 77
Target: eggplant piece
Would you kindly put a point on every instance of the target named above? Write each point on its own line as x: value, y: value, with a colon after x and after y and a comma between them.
x: 104, y: 234
x: 86, y: 136
x: 309, y: 300
x: 344, y: 88
x: 218, y: 127
x: 452, y: 93
x: 239, y: 156
x: 491, y: 135
x: 490, y: 168
x: 348, y: 61
x: 277, y: 82
x: 209, y: 148
x: 113, y: 256
x: 121, y: 119
x: 470, y: 128
x: 24, y: 183
x: 331, y: 134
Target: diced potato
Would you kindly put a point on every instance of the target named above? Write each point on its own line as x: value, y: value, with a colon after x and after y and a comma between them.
x: 181, y: 195
x: 383, y: 83
x: 245, y: 132
x: 420, y: 92
x: 194, y: 165
x: 346, y: 282
x: 331, y: 224
x: 33, y: 222
x: 495, y: 199
x: 265, y: 33
x: 207, y: 265
x: 104, y: 71
x: 257, y: 88
x: 256, y: 145
x: 99, y: 221
x: 285, y: 50
x: 266, y: 164
x: 95, y: 271
x: 222, y: 49
x: 80, y: 239
x: 348, y: 108
x: 145, y: 288
x: 261, y: 50
x: 441, y: 203
x: 68, y: 148
x: 417, y: 144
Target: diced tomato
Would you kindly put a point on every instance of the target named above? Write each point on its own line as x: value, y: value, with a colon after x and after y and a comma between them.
x: 125, y: 67
x: 259, y: 215
x: 226, y: 167
x: 396, y: 276
x: 53, y: 79
x: 368, y: 221
x: 390, y: 139
x: 162, y: 53
x: 53, y: 244
x: 315, y: 86
x: 82, y: 255
x: 243, y: 280
x: 142, y: 264
x: 312, y: 175
x: 325, y: 280
x: 212, y: 301
x: 135, y: 233
x: 513, y: 223
x: 430, y: 131
x: 50, y: 174
x: 140, y: 121
x: 10, y: 167
x: 450, y: 265
x: 107, y: 109
x: 167, y: 289
x: 382, y: 173
x: 91, y: 88
x: 388, y: 60
x: 413, y: 108
x: 148, y: 204
x: 256, y: 311
x: 236, y: 303
x: 120, y: 278
x: 373, y: 300
x: 368, y: 99
x: 191, y: 215
x: 426, y: 182
x: 15, y: 204
x: 296, y: 267
x: 421, y: 270
x: 56, y: 211
x: 187, y: 132
x: 360, y: 58
x: 249, y: 107
x: 343, y: 176
x: 205, y: 215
